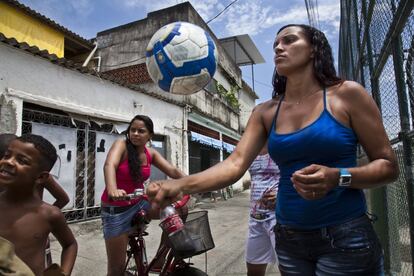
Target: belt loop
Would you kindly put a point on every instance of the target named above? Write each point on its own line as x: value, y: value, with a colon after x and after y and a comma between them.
x: 277, y: 227
x: 111, y: 210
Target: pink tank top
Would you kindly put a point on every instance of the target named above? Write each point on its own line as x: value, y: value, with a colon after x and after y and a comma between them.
x: 125, y: 182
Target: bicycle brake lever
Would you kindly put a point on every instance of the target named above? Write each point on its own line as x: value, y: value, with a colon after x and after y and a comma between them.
x: 137, y: 193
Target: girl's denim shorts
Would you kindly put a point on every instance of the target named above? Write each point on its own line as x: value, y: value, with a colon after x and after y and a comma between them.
x: 117, y: 223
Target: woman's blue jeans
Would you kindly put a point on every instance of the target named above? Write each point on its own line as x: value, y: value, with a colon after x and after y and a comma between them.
x: 351, y: 248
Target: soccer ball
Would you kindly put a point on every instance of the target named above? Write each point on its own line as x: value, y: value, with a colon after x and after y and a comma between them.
x: 181, y: 58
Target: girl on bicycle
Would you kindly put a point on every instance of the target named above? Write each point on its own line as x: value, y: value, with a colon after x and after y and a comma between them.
x: 127, y: 167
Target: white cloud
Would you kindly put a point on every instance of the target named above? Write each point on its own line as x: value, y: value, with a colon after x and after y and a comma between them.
x: 330, y: 14
x: 255, y: 17
x: 249, y: 17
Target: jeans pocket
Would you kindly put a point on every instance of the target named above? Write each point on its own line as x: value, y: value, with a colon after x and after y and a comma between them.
x: 351, y: 240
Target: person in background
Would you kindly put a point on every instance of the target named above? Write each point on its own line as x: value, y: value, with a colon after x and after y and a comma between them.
x: 26, y: 221
x: 260, y: 246
x: 313, y: 125
x: 127, y: 167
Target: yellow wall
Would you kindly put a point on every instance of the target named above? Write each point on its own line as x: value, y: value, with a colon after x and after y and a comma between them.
x: 15, y: 23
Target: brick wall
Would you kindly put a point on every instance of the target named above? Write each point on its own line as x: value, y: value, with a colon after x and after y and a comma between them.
x: 134, y: 74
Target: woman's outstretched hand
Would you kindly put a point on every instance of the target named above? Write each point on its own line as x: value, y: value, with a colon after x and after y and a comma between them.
x: 315, y: 181
x: 163, y: 192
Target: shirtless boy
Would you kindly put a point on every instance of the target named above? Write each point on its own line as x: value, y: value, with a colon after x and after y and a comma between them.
x: 26, y: 219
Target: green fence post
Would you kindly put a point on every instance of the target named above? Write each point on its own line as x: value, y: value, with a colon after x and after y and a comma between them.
x: 403, y: 103
x: 378, y: 197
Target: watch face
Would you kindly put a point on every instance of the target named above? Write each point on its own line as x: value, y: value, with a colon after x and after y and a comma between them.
x: 345, y: 180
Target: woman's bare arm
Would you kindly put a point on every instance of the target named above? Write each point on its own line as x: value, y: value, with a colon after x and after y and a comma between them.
x: 112, y: 162
x: 222, y: 174
x: 166, y: 167
x: 365, y: 119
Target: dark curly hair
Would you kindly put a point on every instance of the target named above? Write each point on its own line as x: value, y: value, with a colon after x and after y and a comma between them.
x: 323, y: 61
x: 47, y: 151
x: 133, y: 156
x: 5, y: 139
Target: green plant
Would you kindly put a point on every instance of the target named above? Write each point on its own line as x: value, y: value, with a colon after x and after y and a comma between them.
x: 230, y: 96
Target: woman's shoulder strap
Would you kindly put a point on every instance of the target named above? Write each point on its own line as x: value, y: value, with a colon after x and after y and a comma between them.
x: 148, y: 154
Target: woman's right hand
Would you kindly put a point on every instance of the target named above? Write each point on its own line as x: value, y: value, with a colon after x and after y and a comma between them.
x: 116, y: 194
x: 163, y: 192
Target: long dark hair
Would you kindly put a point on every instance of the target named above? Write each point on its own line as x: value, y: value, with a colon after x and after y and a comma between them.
x: 323, y: 61
x: 133, y: 156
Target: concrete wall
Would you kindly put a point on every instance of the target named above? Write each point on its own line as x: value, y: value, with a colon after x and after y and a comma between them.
x: 247, y: 101
x: 24, y: 77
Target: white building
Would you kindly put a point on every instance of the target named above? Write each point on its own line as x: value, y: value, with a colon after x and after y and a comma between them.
x: 82, y: 110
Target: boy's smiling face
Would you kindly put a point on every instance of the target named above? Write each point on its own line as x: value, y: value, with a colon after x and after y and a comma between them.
x: 20, y: 164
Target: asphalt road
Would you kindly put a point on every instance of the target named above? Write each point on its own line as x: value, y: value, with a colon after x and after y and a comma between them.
x: 228, y: 222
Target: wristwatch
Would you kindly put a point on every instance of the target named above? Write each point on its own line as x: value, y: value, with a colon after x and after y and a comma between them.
x: 345, y: 178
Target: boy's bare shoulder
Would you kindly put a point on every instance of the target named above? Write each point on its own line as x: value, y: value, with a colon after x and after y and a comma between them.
x: 50, y: 212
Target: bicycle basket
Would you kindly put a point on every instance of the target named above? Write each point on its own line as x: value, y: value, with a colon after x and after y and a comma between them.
x: 198, y: 228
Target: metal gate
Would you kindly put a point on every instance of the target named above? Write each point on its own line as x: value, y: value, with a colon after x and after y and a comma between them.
x: 82, y: 145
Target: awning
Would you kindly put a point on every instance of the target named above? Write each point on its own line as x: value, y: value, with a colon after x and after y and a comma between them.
x: 205, y: 140
x: 228, y: 147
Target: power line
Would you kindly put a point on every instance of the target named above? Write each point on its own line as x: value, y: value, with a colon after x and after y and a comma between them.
x: 123, y: 63
x: 228, y: 6
x: 256, y: 81
x: 312, y: 8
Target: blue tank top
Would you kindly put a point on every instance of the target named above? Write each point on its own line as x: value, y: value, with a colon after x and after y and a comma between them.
x: 325, y: 142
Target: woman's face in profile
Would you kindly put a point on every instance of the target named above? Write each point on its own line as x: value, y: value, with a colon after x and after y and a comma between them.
x: 292, y: 50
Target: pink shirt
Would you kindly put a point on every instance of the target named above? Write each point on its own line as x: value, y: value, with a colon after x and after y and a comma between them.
x: 125, y: 182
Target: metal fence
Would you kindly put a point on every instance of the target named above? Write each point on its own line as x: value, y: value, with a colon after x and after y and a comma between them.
x: 376, y: 48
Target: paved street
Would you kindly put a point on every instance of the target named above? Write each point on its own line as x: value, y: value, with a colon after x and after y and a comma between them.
x: 228, y: 221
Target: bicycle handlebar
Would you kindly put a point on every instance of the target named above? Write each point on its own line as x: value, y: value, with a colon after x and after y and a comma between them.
x: 140, y: 192
x: 136, y: 194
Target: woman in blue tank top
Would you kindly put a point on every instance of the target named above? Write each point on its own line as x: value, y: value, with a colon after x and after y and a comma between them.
x: 313, y: 124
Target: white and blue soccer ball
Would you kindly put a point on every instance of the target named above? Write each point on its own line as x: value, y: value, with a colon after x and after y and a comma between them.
x: 181, y: 58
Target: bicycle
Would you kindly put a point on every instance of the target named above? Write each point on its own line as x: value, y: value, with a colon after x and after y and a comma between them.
x: 174, y: 263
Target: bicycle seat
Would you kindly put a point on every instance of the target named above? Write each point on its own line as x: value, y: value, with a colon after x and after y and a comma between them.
x: 140, y: 219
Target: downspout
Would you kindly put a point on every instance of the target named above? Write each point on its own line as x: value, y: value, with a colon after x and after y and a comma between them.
x: 185, y: 149
x: 91, y: 55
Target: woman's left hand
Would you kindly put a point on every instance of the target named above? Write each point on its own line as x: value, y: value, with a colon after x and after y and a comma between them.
x: 315, y: 181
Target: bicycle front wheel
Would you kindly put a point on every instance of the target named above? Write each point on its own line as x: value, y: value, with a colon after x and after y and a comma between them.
x: 189, y: 271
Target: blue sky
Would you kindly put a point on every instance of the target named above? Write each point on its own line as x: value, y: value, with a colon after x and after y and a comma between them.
x: 258, y: 18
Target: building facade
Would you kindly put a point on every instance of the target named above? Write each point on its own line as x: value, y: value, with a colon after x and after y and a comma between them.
x: 83, y: 109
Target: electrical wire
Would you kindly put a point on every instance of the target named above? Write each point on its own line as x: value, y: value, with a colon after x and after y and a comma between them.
x: 228, y: 6
x: 123, y: 63
x: 256, y: 81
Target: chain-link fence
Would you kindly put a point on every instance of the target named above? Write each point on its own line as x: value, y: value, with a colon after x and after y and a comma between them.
x: 377, y: 49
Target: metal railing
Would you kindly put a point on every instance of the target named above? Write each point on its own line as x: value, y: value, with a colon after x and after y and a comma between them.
x: 376, y: 49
